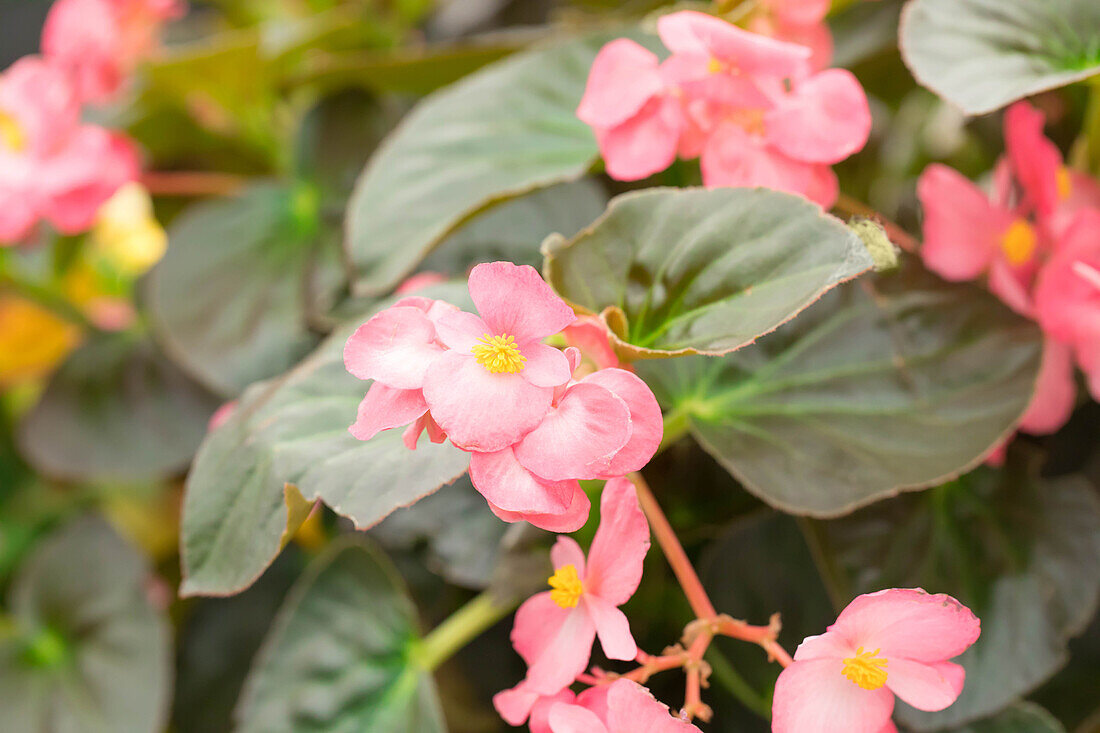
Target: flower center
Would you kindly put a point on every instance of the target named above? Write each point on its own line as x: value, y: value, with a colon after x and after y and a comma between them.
x: 567, y: 587
x: 499, y: 354
x: 12, y: 136
x: 1065, y: 185
x: 866, y: 669
x: 1018, y: 243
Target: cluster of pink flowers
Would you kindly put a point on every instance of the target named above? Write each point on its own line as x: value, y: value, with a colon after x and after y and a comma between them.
x: 797, y: 21
x: 1036, y: 241
x: 751, y: 108
x: 54, y: 167
x: 489, y: 384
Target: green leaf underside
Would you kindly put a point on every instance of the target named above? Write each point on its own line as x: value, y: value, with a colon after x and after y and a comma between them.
x: 116, y: 410
x: 1024, y: 555
x: 893, y: 383
x: 697, y: 271
x: 338, y: 658
x: 295, y: 430
x: 86, y: 587
x: 505, y: 130
x: 984, y: 54
x: 229, y: 298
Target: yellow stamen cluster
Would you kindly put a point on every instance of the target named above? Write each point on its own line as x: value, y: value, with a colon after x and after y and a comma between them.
x: 567, y: 587
x: 866, y: 669
x: 12, y: 136
x: 499, y: 354
x: 1018, y: 243
x: 1065, y: 185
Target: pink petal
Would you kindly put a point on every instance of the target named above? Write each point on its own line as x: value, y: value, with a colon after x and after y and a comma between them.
x: 1035, y: 160
x: 693, y: 32
x: 612, y: 627
x: 824, y: 646
x: 645, y: 144
x: 816, y: 696
x: 929, y: 687
x: 622, y: 540
x: 962, y: 229
x: 647, y: 423
x: 734, y: 158
x: 520, y: 703
x: 419, y: 281
x: 633, y: 709
x: 506, y: 484
x: 910, y: 624
x: 590, y: 336
x: 461, y: 331
x: 1055, y: 391
x: 425, y: 422
x: 800, y: 12
x: 565, y: 647
x: 815, y: 36
x: 574, y: 719
x: 823, y: 187
x: 384, y: 408
x: 545, y: 365
x: 1067, y: 302
x: 481, y: 411
x: 1012, y: 286
x: 566, y: 551
x: 570, y: 520
x: 80, y: 176
x: 395, y: 347
x: 577, y: 437
x: 623, y: 77
x: 824, y: 119
x: 515, y: 301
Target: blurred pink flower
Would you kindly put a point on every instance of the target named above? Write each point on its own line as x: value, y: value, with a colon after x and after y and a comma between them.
x: 519, y: 705
x: 620, y: 707
x: 53, y: 167
x: 100, y: 42
x: 554, y: 630
x: 894, y: 642
x: 797, y: 21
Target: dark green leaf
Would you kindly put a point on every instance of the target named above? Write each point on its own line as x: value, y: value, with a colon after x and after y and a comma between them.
x: 91, y: 655
x: 339, y: 658
x: 893, y: 383
x: 984, y: 54
x: 1024, y: 717
x: 294, y: 430
x: 116, y: 410
x: 690, y: 271
x: 229, y: 298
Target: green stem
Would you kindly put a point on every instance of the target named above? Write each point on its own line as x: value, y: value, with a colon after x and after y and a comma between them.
x: 736, y: 685
x: 1085, y: 154
x: 677, y: 425
x: 48, y: 299
x: 462, y: 627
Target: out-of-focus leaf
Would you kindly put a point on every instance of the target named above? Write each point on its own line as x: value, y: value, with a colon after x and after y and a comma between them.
x: 294, y: 430
x: 897, y: 382
x: 514, y: 230
x: 91, y: 655
x: 1023, y: 717
x: 674, y: 271
x: 863, y: 30
x: 229, y: 298
x: 1024, y: 554
x: 506, y: 130
x: 984, y: 54
x: 339, y: 658
x: 116, y: 410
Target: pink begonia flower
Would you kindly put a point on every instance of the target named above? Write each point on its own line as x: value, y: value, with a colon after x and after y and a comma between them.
x: 637, y: 121
x: 554, y: 630
x: 52, y: 167
x: 590, y: 336
x: 623, y: 706
x: 495, y: 382
x: 894, y: 642
x: 1068, y: 295
x: 100, y: 42
x: 518, y: 706
x: 419, y: 281
x: 797, y: 21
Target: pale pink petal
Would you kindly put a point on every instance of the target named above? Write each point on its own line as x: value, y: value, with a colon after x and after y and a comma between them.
x: 962, y: 229
x: 815, y: 36
x: 425, y: 422
x: 519, y: 704
x: 590, y: 336
x: 566, y: 654
x: 570, y: 520
x: 537, y: 622
x: 631, y: 708
x: 734, y: 158
x: 647, y: 423
x: 612, y: 627
x: 419, y: 281
x: 645, y: 144
x: 1055, y: 391
x: 927, y: 687
x: 1035, y: 160
x: 690, y: 31
x: 816, y: 696
x: 909, y: 623
x: 1067, y: 291
x: 384, y: 408
x: 622, y: 540
x: 595, y: 699
x: 824, y: 119
x: 823, y: 187
x: 506, y: 484
x: 623, y: 77
x: 481, y: 411
x: 577, y: 437
x: 545, y: 365
x: 395, y: 347
x: 824, y: 646
x: 566, y: 551
x: 461, y: 331
x: 514, y: 300
x: 799, y: 12
x: 80, y: 176
x: 574, y: 719
x: 1012, y: 286
x: 540, y: 713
